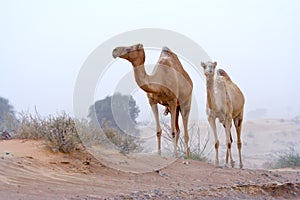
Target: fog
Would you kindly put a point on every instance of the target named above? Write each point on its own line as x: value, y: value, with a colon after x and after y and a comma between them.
x: 43, y: 45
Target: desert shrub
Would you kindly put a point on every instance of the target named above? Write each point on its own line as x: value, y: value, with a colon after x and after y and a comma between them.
x: 89, y: 133
x: 291, y: 159
x: 62, y: 134
x: 31, y: 127
x: 59, y: 132
x: 125, y: 143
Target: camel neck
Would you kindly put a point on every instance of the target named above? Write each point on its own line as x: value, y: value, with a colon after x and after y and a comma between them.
x: 210, y: 90
x: 142, y: 79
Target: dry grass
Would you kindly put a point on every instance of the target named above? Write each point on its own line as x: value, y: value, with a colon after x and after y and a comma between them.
x: 287, y: 159
x: 64, y: 134
x: 125, y: 143
x: 197, y: 144
x: 59, y: 132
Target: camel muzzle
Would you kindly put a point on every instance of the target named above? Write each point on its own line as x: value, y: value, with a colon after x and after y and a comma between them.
x: 116, y: 53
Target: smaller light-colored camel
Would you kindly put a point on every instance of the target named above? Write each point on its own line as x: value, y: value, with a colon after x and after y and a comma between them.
x: 225, y: 101
x: 168, y: 85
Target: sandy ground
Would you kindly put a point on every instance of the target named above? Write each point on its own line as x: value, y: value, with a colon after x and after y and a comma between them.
x: 30, y: 171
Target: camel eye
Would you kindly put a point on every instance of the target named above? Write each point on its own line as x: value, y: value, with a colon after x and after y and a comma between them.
x: 128, y: 50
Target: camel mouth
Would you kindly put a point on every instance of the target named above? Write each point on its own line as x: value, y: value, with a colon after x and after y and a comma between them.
x: 120, y: 51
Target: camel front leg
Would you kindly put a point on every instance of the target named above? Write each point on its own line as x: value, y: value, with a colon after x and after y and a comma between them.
x: 212, y: 124
x: 158, y: 128
x: 175, y: 134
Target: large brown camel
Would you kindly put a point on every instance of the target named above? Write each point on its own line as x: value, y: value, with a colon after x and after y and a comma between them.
x: 168, y: 85
x: 225, y: 101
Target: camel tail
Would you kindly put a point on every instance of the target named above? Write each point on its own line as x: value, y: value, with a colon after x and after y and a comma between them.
x: 222, y: 72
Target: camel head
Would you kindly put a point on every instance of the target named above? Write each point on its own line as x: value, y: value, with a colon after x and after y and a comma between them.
x: 134, y: 54
x: 209, y: 68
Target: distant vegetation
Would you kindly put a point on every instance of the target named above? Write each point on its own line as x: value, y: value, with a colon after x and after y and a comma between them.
x: 117, y: 115
x: 118, y: 112
x: 66, y: 134
x: 7, y: 115
x: 290, y: 159
x: 257, y: 113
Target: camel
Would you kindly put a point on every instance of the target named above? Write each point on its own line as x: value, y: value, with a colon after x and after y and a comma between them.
x: 225, y: 101
x: 168, y: 85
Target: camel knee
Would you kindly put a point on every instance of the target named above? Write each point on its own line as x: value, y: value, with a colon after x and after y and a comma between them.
x: 239, y: 144
x: 173, y: 135
x: 229, y: 145
x: 158, y: 134
x: 186, y: 139
x: 217, y: 144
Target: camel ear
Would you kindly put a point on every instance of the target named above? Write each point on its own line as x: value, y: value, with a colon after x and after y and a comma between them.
x: 215, y: 63
x: 140, y: 46
x: 203, y: 64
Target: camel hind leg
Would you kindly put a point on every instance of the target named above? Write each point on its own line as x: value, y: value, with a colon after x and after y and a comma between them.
x: 227, y: 153
x: 177, y: 125
x: 185, y: 112
x: 228, y: 124
x: 238, y: 126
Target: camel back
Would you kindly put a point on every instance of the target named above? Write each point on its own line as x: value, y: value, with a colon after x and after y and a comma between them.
x: 166, y: 52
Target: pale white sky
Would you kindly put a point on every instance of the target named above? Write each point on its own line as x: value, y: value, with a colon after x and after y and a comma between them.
x: 43, y: 45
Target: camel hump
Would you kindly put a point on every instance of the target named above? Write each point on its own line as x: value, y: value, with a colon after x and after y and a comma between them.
x: 222, y: 72
x: 166, y: 49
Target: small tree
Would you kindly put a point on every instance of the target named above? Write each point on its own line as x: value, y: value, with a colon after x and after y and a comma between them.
x: 117, y: 111
x: 117, y: 115
x: 7, y: 115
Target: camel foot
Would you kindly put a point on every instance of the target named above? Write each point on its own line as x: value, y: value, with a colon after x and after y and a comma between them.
x: 241, y: 165
x: 217, y: 163
x: 159, y: 152
x: 175, y: 155
x: 186, y: 162
x: 232, y: 163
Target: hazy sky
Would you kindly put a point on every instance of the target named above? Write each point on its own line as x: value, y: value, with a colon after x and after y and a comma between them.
x: 43, y: 45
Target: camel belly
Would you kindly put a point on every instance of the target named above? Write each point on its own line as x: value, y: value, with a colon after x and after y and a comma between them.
x: 162, y: 99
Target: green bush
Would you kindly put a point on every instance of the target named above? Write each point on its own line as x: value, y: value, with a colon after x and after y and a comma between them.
x: 290, y: 159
